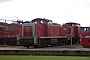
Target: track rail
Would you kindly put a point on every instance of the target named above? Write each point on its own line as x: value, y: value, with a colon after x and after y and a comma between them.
x: 45, y: 52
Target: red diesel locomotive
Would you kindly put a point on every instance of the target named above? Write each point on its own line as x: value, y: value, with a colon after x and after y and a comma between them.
x: 41, y: 32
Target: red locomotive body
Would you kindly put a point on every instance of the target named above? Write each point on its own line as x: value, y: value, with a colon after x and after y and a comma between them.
x: 75, y: 27
x: 42, y: 33
x: 53, y: 30
x: 40, y: 29
x: 27, y: 31
x: 85, y: 36
x: 12, y: 33
x: 64, y: 30
x: 34, y: 28
x: 2, y: 31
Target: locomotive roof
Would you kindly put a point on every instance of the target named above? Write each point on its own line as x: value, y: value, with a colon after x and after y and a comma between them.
x: 72, y: 23
x: 13, y: 24
x: 2, y: 24
x: 40, y: 19
x: 84, y: 27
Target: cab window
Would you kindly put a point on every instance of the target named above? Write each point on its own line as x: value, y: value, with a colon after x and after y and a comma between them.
x: 11, y: 28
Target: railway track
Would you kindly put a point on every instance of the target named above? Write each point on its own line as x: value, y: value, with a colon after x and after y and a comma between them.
x: 48, y: 51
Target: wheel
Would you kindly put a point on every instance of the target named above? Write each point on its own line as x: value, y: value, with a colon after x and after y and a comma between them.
x: 85, y: 46
x: 35, y: 46
x: 52, y: 44
x: 1, y: 43
x: 27, y: 46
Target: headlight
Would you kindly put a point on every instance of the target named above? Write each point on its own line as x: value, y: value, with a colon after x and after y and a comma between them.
x: 13, y: 36
x: 8, y: 35
x: 5, y: 35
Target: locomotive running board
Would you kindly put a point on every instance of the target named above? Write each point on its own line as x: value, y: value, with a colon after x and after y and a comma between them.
x: 53, y: 37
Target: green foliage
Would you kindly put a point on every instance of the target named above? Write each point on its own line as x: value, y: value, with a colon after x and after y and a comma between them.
x: 56, y: 24
x: 12, y: 57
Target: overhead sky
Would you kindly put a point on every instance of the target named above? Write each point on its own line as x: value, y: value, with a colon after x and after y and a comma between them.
x: 59, y: 11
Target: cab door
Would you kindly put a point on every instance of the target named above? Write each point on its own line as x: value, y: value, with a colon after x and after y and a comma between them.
x: 27, y: 31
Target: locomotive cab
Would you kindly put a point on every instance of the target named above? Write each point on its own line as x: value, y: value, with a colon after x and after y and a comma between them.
x: 74, y: 32
x: 12, y: 33
x: 85, y: 36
